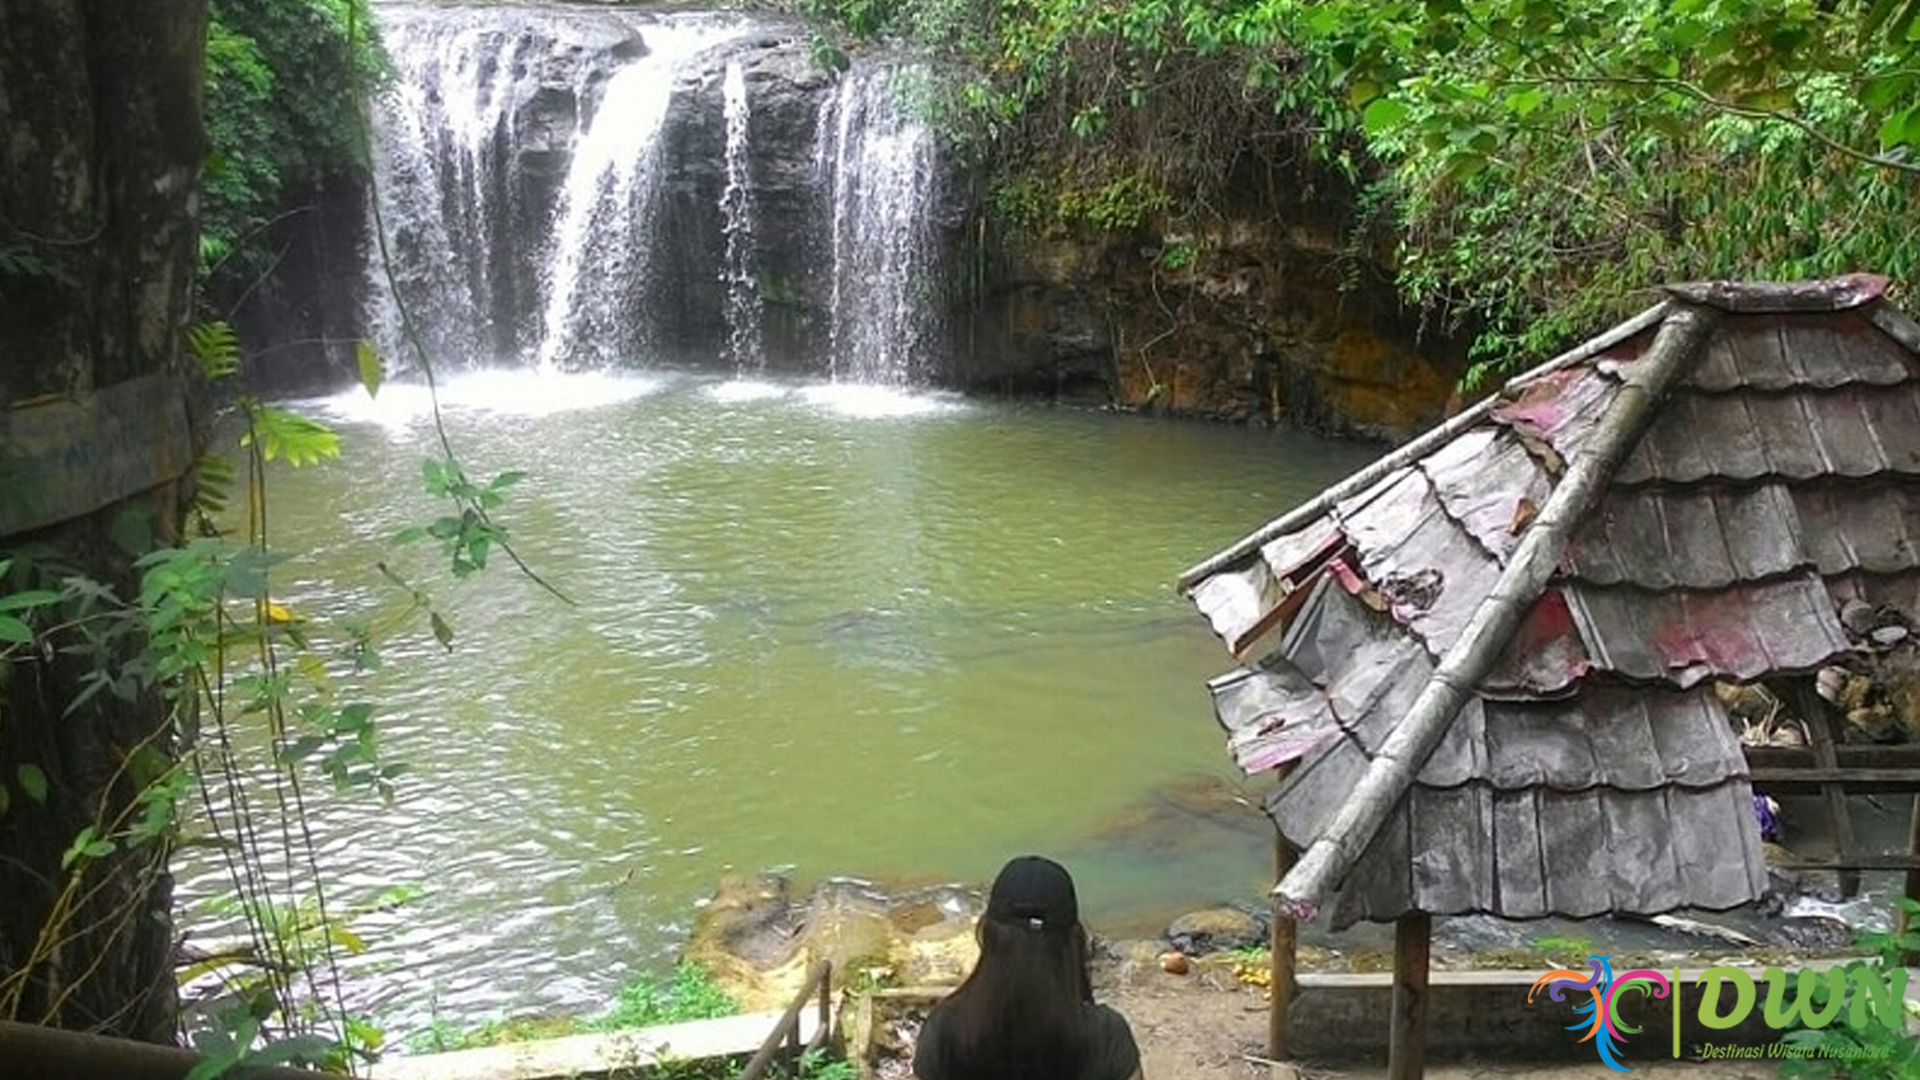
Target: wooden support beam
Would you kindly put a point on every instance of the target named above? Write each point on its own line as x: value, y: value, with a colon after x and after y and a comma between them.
x: 1283, y: 937
x: 1820, y: 733
x: 1901, y: 923
x: 1858, y: 781
x: 1849, y: 756
x: 1407, y: 1047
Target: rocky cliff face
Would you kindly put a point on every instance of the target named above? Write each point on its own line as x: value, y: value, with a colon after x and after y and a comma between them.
x: 786, y: 93
x: 1247, y: 320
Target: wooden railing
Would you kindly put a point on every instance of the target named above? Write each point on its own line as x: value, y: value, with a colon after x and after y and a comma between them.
x: 787, y: 1030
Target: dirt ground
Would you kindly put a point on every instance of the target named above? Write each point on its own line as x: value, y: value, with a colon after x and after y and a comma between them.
x: 1205, y: 1026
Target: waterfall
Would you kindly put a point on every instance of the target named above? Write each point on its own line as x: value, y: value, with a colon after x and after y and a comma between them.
x: 736, y: 211
x: 595, y: 312
x: 591, y: 187
x: 879, y: 163
x: 440, y: 178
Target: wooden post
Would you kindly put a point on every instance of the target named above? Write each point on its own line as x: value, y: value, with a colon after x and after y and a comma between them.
x: 1283, y: 936
x: 1407, y: 1049
x: 1902, y: 924
x: 1820, y: 732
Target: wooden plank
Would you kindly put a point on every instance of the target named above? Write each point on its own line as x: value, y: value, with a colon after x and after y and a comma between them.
x: 1859, y: 781
x: 589, y: 1056
x: 1820, y: 733
x: 1284, y: 940
x: 1857, y: 862
x: 65, y: 458
x: 33, y: 1052
x: 1407, y: 1048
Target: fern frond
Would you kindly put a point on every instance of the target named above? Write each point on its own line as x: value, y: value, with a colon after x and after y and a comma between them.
x: 216, y: 348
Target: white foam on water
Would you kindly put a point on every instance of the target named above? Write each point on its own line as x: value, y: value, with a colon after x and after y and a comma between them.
x: 738, y: 390
x: 1862, y: 912
x: 869, y: 402
x: 500, y: 391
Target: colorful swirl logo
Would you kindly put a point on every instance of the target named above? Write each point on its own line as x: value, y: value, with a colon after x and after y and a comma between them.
x: 1602, y: 992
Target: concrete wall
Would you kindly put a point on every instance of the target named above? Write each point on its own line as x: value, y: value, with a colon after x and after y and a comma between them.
x: 1485, y: 1015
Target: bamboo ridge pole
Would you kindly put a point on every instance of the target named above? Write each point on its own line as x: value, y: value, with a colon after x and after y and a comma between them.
x: 1333, y: 854
x: 1412, y: 451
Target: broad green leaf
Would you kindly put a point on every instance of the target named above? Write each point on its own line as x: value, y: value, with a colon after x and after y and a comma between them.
x: 369, y: 364
x: 347, y: 939
x: 1773, y: 99
x: 28, y: 598
x: 33, y: 782
x: 281, y: 433
x: 1524, y: 102
x: 1900, y: 129
x: 15, y: 632
x: 1382, y: 115
x: 301, y: 748
x: 395, y: 895
x: 1882, y: 91
x: 74, y: 851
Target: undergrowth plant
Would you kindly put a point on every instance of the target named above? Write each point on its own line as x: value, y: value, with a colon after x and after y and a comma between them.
x: 1872, y: 1051
x: 1522, y: 171
x: 687, y: 992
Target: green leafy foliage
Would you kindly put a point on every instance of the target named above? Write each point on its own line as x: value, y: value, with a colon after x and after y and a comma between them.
x: 1524, y: 169
x: 215, y: 347
x: 281, y: 433
x: 278, y: 112
x: 823, y: 1065
x: 466, y: 537
x: 688, y: 993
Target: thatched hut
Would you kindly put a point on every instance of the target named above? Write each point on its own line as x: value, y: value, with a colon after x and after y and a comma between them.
x: 1486, y: 667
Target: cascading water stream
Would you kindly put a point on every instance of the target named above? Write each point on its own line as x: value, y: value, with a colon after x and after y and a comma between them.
x: 880, y: 165
x: 596, y: 289
x: 736, y: 211
x: 439, y: 178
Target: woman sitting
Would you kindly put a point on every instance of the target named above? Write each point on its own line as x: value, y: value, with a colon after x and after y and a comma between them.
x: 1027, y: 1012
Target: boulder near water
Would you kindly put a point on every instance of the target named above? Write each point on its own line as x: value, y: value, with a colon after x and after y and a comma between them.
x: 758, y: 941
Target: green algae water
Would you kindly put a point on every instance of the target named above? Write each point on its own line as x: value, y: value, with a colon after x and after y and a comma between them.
x: 819, y: 630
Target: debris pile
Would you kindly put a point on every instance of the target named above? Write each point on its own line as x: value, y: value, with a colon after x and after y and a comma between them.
x: 1874, y: 690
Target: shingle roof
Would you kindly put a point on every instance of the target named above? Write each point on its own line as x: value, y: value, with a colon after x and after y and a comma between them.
x: 1589, y: 768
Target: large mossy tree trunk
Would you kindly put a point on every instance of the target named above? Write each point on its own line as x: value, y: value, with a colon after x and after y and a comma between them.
x: 100, y: 154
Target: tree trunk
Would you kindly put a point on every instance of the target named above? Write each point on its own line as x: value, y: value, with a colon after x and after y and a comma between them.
x: 100, y: 154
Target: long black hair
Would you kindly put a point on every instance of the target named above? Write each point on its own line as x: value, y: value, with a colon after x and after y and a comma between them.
x: 1023, y: 1013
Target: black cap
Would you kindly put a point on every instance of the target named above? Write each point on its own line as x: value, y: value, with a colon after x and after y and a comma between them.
x: 1035, y: 893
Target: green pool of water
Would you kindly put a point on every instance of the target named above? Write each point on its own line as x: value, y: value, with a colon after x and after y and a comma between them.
x: 820, y: 630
